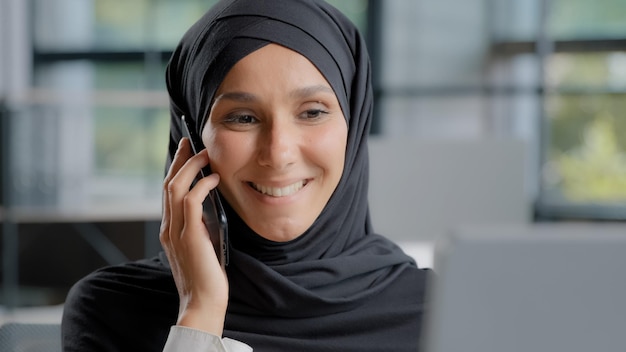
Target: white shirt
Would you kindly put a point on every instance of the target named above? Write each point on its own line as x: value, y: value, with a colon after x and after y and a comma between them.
x: 187, y: 339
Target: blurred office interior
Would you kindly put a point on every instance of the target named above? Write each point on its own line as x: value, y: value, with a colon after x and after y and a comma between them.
x: 486, y: 112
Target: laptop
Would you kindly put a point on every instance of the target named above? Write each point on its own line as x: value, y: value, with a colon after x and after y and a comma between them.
x: 529, y: 288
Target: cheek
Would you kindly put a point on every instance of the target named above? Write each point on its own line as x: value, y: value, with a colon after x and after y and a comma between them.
x: 330, y: 149
x: 228, y: 155
x: 225, y: 151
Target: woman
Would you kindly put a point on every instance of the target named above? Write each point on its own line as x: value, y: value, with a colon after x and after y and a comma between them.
x: 280, y: 92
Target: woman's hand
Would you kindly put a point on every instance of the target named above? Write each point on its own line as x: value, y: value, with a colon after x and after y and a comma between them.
x: 200, y: 279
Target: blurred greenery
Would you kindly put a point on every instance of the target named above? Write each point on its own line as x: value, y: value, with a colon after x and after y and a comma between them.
x: 131, y: 141
x: 128, y: 76
x: 144, y: 24
x: 571, y: 115
x: 575, y: 19
x: 595, y: 170
x: 586, y: 106
x: 587, y: 145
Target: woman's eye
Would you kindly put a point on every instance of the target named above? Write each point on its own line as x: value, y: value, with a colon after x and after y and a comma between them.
x: 242, y: 119
x: 313, y: 114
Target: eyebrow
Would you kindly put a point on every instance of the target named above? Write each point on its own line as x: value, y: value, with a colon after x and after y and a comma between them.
x: 301, y: 93
x: 237, y: 96
x: 308, y: 91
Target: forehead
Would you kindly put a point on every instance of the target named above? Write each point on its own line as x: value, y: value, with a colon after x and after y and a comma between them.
x: 277, y: 68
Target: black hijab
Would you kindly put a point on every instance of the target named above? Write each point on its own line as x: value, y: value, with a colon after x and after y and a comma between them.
x: 339, y: 286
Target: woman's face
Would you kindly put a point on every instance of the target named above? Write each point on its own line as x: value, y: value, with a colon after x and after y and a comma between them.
x: 277, y: 137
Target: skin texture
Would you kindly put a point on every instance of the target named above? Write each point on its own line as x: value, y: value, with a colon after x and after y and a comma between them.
x: 276, y: 140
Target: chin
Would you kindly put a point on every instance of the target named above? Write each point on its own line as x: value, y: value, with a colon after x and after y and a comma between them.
x: 280, y: 233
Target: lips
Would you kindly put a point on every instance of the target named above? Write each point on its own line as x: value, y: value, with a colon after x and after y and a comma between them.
x: 279, y: 191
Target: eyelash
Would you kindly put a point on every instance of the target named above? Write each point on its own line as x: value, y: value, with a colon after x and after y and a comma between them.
x: 237, y: 119
x: 316, y: 112
x: 310, y: 114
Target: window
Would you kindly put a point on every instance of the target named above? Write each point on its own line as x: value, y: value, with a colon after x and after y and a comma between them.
x: 98, y: 70
x: 577, y: 54
x: 550, y: 72
x: 99, y: 87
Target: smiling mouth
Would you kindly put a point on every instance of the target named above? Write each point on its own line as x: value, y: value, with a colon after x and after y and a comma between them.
x: 279, y: 191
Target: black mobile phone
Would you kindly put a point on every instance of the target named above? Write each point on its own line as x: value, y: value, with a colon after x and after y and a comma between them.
x: 214, y: 215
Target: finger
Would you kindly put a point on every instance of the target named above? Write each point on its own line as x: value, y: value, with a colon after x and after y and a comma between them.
x: 183, y: 153
x: 195, y: 232
x: 178, y: 188
x: 196, y: 197
x: 179, y: 159
x: 188, y: 172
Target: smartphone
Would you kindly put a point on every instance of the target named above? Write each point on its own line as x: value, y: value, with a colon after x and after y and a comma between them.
x: 214, y: 215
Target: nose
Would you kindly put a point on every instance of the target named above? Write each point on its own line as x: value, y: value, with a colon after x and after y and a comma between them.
x: 278, y: 145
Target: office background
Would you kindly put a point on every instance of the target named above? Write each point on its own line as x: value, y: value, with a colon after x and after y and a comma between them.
x: 486, y: 112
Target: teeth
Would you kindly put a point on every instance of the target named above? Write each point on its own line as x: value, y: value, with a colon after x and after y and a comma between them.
x: 279, y: 191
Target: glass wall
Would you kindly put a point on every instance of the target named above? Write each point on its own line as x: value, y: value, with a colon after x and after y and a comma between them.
x: 432, y: 57
x: 579, y: 54
x: 98, y: 66
x: 550, y: 72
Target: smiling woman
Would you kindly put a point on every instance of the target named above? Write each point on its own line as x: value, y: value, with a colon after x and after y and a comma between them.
x: 280, y: 92
x: 277, y: 140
